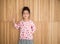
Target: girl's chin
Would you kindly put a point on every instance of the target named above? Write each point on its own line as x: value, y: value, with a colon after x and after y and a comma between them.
x: 25, y: 18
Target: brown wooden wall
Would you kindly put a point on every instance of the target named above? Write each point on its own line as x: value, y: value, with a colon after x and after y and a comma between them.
x: 45, y: 14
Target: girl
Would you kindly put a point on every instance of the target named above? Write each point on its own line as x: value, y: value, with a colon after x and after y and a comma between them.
x: 26, y: 26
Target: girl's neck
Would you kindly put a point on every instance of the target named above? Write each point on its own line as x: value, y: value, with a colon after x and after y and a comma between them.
x: 26, y: 20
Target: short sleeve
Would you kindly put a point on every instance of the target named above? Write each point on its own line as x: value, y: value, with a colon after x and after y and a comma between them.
x: 17, y: 25
x: 33, y: 27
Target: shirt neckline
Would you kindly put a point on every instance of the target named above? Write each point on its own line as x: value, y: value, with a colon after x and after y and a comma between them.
x: 26, y: 21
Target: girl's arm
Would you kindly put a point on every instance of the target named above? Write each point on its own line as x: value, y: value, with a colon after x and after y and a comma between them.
x: 33, y: 27
x: 16, y: 25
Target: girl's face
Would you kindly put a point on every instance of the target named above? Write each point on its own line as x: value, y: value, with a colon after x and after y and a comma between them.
x: 25, y: 14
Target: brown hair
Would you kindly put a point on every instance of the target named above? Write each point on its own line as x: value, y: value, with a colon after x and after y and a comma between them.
x: 25, y: 8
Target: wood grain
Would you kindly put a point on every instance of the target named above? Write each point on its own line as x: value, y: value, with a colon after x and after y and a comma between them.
x: 44, y: 13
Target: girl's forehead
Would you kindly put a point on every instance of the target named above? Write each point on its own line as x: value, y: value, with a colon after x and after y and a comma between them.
x: 25, y: 11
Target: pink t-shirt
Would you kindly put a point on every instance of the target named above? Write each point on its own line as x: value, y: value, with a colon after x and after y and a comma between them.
x: 26, y: 29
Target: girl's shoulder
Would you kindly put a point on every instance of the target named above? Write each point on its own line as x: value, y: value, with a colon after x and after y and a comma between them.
x: 32, y: 22
x: 20, y: 21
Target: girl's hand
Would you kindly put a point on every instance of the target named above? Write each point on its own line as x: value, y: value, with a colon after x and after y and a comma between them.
x: 14, y: 21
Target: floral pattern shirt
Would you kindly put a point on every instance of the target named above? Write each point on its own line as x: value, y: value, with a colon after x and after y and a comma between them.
x: 27, y: 28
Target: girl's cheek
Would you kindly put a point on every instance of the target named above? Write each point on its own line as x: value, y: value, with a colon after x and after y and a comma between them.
x: 27, y: 15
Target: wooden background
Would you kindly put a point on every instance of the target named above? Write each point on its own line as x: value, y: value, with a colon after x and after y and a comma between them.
x: 45, y: 14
